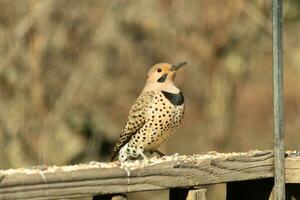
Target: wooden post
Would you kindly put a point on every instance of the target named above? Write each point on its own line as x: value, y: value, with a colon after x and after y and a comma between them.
x: 249, y: 190
x: 278, y: 101
x: 197, y: 194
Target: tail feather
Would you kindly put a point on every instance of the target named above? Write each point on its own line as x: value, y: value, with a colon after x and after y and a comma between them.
x: 117, y: 148
x: 114, y: 154
x: 125, y: 137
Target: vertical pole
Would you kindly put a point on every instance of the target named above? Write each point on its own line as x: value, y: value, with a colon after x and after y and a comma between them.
x: 278, y: 101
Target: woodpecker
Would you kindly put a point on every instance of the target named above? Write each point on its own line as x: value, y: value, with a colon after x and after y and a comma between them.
x: 154, y: 116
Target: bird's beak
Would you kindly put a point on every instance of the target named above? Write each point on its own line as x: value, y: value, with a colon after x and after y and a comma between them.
x: 177, y: 66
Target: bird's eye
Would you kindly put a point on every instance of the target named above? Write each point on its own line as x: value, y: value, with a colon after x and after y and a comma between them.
x: 159, y: 70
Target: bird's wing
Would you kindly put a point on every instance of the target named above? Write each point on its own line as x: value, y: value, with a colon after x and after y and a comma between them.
x: 136, y: 120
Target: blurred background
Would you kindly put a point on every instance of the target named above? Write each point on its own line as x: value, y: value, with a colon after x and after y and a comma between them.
x: 70, y: 71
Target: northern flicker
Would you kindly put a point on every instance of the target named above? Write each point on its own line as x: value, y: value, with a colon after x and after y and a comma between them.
x: 154, y: 116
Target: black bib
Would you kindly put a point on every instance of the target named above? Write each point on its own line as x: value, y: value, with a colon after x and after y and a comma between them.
x: 175, y: 99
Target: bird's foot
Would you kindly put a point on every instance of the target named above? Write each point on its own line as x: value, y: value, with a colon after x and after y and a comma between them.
x: 145, y: 158
x: 158, y: 152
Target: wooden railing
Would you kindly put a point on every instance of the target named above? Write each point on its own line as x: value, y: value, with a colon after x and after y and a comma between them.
x: 248, y: 176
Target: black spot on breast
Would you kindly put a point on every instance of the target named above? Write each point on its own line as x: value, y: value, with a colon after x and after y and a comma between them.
x: 175, y: 99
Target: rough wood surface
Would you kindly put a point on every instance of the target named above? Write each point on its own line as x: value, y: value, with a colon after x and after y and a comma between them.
x: 278, y: 99
x: 197, y: 194
x: 165, y: 173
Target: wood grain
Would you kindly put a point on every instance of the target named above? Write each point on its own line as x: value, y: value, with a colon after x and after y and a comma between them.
x: 197, y: 194
x: 182, y: 171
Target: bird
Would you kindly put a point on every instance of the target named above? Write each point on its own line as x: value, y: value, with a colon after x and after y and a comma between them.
x: 155, y: 115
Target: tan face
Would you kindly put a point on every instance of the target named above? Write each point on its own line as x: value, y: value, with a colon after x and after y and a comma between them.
x: 163, y: 72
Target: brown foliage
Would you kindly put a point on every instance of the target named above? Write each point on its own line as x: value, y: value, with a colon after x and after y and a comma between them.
x: 70, y: 70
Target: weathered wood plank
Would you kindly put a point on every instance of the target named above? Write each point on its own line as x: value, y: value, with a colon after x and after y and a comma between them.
x: 292, y: 172
x: 168, y: 172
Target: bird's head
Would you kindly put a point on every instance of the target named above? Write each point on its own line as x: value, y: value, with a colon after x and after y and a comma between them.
x: 163, y: 72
